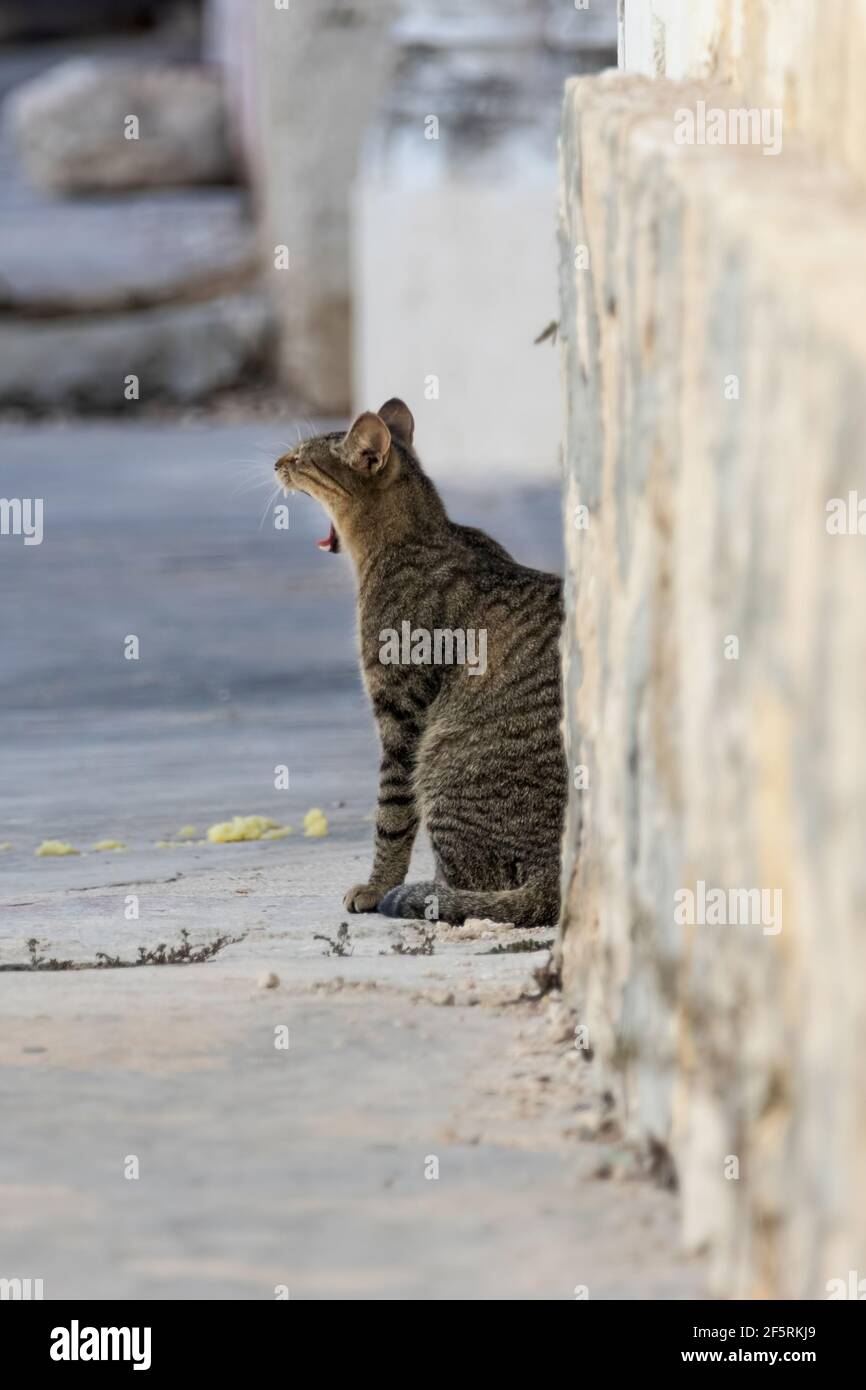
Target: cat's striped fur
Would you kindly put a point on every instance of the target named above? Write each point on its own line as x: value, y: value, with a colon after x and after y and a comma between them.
x: 477, y: 758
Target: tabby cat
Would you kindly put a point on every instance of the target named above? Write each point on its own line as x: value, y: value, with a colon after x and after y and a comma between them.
x: 473, y: 751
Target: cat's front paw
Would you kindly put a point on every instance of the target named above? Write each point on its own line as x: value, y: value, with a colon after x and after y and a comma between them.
x: 362, y: 898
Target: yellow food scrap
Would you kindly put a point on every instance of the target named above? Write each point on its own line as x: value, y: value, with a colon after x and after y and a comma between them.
x: 165, y: 844
x: 315, y: 824
x: 7, y: 844
x: 279, y: 832
x: 109, y: 844
x: 52, y: 848
x: 186, y: 832
x: 229, y: 832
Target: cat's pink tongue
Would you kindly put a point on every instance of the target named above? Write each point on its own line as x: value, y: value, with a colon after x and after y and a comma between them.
x: 330, y: 542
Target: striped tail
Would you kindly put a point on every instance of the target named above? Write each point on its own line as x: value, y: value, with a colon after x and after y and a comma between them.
x: 535, y: 904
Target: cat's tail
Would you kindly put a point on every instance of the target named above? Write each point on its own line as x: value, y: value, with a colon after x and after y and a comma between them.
x: 535, y: 904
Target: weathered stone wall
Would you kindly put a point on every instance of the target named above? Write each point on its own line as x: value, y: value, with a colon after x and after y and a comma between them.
x: 713, y: 326
x: 807, y: 56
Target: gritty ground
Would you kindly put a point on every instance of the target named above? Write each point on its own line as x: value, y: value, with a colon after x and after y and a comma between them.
x: 395, y: 1116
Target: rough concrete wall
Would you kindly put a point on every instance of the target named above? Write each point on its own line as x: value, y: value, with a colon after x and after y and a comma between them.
x: 714, y: 368
x: 805, y: 57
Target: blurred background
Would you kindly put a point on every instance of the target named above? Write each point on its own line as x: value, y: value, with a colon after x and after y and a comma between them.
x: 224, y: 207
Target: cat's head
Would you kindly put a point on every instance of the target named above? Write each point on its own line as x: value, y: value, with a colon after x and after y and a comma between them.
x: 368, y: 479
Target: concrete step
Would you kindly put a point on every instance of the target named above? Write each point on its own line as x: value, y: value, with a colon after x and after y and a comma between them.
x: 178, y: 353
x: 113, y: 253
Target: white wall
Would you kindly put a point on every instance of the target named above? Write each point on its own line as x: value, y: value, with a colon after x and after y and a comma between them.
x: 455, y: 282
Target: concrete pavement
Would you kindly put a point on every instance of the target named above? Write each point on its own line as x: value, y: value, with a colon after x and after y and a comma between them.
x: 310, y: 1167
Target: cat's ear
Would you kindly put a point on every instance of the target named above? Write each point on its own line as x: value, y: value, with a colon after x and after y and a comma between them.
x: 366, y: 445
x: 398, y: 418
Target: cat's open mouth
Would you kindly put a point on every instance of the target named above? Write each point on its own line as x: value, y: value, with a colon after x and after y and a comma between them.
x: 331, y: 542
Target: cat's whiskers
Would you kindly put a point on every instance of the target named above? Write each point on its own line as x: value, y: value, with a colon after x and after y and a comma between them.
x: 250, y: 486
x: 256, y: 475
x: 271, y: 500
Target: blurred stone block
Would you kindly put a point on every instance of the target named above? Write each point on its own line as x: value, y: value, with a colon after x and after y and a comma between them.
x: 124, y: 253
x: 303, y: 84
x: 71, y: 126
x: 180, y: 353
